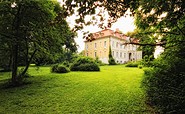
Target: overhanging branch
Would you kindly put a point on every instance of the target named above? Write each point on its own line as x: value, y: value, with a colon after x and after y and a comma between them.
x: 7, y: 35
x: 146, y: 44
x: 180, y: 30
x: 163, y: 32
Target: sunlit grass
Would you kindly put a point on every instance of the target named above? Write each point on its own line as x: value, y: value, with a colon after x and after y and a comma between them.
x: 115, y: 89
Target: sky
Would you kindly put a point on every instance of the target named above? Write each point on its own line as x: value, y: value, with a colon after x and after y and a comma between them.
x: 124, y: 24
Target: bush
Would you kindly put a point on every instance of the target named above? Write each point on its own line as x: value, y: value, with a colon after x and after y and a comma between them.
x: 84, y: 64
x: 131, y: 64
x: 54, y: 68
x: 59, y: 69
x: 66, y: 63
x: 87, y: 67
x: 112, y: 61
x: 140, y: 66
x: 165, y: 82
x: 97, y: 61
x: 147, y: 61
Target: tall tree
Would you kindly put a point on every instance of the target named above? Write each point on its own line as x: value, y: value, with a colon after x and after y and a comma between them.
x: 29, y: 26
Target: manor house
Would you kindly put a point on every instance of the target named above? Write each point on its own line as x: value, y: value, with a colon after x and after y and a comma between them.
x: 101, y: 42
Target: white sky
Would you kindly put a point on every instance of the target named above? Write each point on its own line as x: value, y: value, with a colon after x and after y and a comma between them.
x: 124, y: 24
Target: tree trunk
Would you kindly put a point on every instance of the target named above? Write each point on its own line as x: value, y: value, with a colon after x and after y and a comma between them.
x: 15, y: 26
x: 28, y: 63
x: 14, y: 63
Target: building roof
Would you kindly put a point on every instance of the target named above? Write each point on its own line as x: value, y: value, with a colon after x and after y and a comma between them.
x: 108, y: 32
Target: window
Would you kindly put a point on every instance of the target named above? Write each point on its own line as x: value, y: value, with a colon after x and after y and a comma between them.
x: 87, y: 47
x: 87, y: 54
x: 95, y: 45
x: 100, y: 44
x: 130, y: 47
x: 124, y: 46
x: 104, y: 53
x: 105, y: 44
x: 116, y: 54
x: 117, y: 45
x: 112, y: 43
x: 112, y: 53
x: 95, y: 54
x: 124, y: 55
x: 120, y: 54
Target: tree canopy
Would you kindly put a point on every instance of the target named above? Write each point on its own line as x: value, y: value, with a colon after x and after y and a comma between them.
x: 29, y: 26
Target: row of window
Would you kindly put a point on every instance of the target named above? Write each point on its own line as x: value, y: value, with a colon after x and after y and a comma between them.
x: 95, y: 45
x: 131, y: 47
x: 119, y: 45
x: 118, y: 55
x: 121, y: 55
x: 100, y: 55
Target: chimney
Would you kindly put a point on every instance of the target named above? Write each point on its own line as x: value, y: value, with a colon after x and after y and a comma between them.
x: 117, y: 30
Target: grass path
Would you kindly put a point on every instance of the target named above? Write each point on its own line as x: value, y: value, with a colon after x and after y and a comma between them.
x: 114, y: 90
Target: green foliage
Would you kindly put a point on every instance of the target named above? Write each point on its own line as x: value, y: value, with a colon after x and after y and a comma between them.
x: 66, y: 63
x: 59, y: 69
x: 111, y: 59
x: 84, y: 64
x: 165, y: 82
x: 5, y: 58
x: 132, y: 64
x: 147, y: 61
x: 86, y: 67
x: 140, y: 66
x: 54, y: 68
x: 99, y: 62
x: 30, y: 26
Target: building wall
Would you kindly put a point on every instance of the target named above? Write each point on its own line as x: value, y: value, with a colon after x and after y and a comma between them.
x: 98, y: 48
x: 124, y: 53
x: 121, y: 53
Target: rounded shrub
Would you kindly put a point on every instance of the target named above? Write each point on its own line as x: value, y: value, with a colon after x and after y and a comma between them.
x: 99, y: 62
x: 54, y: 68
x: 59, y: 69
x: 112, y: 61
x: 140, y: 66
x: 84, y: 64
x: 131, y: 64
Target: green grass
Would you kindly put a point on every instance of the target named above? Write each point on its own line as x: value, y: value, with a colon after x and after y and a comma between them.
x: 115, y: 89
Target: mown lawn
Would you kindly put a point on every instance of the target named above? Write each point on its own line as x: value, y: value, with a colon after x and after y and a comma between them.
x: 115, y: 90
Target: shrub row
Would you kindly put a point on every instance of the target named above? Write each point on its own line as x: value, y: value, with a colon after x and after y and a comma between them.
x: 86, y: 67
x: 80, y: 64
x: 84, y: 64
x: 131, y: 64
